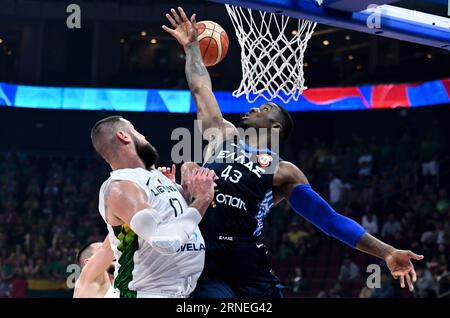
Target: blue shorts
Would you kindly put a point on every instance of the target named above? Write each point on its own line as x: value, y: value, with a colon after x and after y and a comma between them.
x: 237, y: 270
x: 208, y: 287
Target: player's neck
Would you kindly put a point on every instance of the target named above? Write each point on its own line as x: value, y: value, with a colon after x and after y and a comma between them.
x: 103, y: 280
x: 127, y: 163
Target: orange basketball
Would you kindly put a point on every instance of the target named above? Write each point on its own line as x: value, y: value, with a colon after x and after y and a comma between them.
x: 213, y: 42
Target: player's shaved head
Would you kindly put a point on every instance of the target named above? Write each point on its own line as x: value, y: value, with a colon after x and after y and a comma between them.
x: 287, y: 124
x: 103, y: 134
x: 86, y: 252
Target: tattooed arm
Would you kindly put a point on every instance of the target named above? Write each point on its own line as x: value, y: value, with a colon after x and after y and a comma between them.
x: 208, y: 110
x: 199, y: 81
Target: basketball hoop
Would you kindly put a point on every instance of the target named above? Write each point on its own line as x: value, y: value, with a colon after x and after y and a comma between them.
x: 271, y: 55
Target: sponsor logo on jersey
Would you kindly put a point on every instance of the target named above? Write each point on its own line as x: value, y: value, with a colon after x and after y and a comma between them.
x: 231, y: 201
x: 264, y: 159
x: 192, y: 247
x: 225, y: 238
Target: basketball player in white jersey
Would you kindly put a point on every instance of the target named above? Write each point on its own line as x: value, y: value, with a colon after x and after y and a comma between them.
x: 96, y: 259
x: 153, y: 232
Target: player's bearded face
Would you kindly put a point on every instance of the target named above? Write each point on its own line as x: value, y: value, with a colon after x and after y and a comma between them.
x: 148, y: 154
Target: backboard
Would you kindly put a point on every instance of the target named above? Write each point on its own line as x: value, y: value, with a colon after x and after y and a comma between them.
x: 420, y: 21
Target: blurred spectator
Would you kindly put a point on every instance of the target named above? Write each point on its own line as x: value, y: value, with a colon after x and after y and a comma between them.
x: 443, y: 203
x: 365, y: 292
x: 429, y: 235
x: 386, y: 289
x: 338, y: 291
x: 336, y: 189
x: 429, y: 151
x: 296, y: 233
x: 300, y: 282
x: 286, y: 248
x: 5, y: 288
x: 365, y: 162
x: 18, y: 284
x: 426, y: 283
x: 349, y: 271
x: 390, y: 227
x: 369, y: 222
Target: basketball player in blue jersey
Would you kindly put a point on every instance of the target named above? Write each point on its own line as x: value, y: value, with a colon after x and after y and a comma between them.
x: 251, y: 180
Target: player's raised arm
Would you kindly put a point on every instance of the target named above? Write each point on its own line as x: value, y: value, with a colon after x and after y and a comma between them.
x: 127, y: 203
x: 291, y: 184
x: 185, y: 31
x: 97, y: 265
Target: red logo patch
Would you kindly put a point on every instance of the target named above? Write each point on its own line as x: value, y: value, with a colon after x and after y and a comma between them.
x: 264, y: 159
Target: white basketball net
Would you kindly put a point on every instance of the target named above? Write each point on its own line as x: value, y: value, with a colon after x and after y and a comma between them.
x: 271, y: 55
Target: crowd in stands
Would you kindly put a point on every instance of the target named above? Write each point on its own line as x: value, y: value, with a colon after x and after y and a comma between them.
x: 396, y: 189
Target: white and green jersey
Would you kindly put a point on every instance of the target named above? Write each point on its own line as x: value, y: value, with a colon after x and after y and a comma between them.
x: 140, y: 270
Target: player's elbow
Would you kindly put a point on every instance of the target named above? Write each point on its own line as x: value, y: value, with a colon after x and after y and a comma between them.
x: 166, y: 245
x: 198, y: 89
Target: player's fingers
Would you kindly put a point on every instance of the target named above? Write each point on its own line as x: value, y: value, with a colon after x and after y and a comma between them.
x: 212, y: 174
x: 169, y: 30
x: 174, y: 168
x: 398, y: 273
x: 171, y: 20
x: 415, y: 256
x: 175, y: 16
x: 183, y: 14
x: 409, y: 282
x: 205, y: 172
x: 413, y: 275
x: 193, y: 20
x: 402, y: 281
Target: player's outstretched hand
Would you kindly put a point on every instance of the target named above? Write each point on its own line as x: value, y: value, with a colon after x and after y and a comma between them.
x: 399, y: 263
x: 184, y: 29
x: 169, y: 172
x: 186, y: 173
x: 202, y: 184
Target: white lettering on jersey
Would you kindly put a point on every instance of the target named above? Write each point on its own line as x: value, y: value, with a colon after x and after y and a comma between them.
x: 231, y: 201
x: 252, y: 166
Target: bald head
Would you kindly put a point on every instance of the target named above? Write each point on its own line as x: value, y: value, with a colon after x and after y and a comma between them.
x: 103, y: 134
